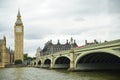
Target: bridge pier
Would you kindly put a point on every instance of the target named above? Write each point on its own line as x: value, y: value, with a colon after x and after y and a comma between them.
x: 71, y: 60
x: 61, y: 66
x: 42, y: 62
x: 52, y: 62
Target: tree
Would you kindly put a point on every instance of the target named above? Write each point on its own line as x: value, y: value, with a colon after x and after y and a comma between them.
x: 25, y: 56
x: 19, y: 61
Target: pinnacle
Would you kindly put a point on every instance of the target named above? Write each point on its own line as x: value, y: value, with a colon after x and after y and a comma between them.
x: 18, y: 13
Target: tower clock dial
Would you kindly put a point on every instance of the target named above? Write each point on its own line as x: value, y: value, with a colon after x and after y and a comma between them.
x: 18, y: 29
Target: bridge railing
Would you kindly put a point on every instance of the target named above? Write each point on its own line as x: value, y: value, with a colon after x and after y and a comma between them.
x: 57, y: 53
x: 100, y: 45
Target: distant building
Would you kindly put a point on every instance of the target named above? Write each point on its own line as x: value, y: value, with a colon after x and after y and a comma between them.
x: 38, y: 52
x: 51, y: 48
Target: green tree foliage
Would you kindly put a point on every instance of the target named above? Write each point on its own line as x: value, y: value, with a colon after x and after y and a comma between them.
x: 29, y: 58
x: 19, y: 61
x: 25, y: 56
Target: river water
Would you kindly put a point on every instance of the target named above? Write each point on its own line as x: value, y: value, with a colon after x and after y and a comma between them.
x: 46, y: 74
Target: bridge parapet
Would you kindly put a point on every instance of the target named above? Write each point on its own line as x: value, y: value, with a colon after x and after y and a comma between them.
x: 99, y: 46
x: 57, y: 53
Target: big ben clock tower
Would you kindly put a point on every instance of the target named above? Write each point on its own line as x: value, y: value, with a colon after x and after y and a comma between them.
x: 18, y: 38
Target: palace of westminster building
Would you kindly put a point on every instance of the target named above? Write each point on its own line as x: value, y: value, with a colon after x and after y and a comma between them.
x: 8, y: 56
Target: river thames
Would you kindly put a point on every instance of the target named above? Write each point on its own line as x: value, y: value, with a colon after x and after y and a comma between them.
x: 46, y: 74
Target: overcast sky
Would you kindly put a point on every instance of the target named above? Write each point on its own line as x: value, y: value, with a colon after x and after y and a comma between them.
x: 60, y: 19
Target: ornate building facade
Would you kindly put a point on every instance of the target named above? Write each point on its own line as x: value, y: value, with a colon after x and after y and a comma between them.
x: 19, y: 35
x: 38, y: 53
x: 6, y: 55
x: 51, y: 48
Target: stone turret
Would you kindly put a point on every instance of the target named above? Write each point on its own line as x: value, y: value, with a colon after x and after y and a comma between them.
x: 58, y: 43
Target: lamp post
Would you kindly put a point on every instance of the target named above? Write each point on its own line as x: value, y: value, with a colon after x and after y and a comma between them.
x: 71, y: 43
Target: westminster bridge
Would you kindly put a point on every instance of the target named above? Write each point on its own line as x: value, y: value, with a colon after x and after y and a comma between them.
x: 97, y: 56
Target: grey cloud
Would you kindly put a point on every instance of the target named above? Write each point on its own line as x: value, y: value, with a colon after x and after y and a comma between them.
x: 76, y: 31
x: 2, y: 28
x: 32, y: 36
x: 78, y: 19
x: 79, y: 29
x: 114, y: 6
x: 114, y: 33
x: 75, y: 7
x: 2, y: 2
x: 90, y: 7
x: 60, y: 17
x: 100, y: 29
x: 38, y: 33
x: 5, y: 4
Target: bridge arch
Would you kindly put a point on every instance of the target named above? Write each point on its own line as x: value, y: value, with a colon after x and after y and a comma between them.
x: 34, y: 63
x: 47, y: 63
x: 66, y: 56
x: 39, y: 62
x: 100, y: 59
x: 62, y: 62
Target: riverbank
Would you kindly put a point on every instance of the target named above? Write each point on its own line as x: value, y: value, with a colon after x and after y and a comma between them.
x: 15, y: 66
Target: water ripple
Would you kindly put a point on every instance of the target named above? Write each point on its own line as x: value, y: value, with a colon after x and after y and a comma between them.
x: 45, y: 74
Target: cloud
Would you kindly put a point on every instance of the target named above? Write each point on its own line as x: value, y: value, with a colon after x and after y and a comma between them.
x: 2, y: 28
x: 60, y: 19
x: 113, y: 6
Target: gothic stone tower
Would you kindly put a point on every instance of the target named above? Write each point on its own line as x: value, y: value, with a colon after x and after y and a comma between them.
x: 18, y: 38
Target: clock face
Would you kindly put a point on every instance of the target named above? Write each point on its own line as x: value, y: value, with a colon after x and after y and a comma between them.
x: 18, y: 29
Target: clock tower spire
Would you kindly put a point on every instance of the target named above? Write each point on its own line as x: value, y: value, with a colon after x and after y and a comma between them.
x: 19, y: 37
x: 18, y: 21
